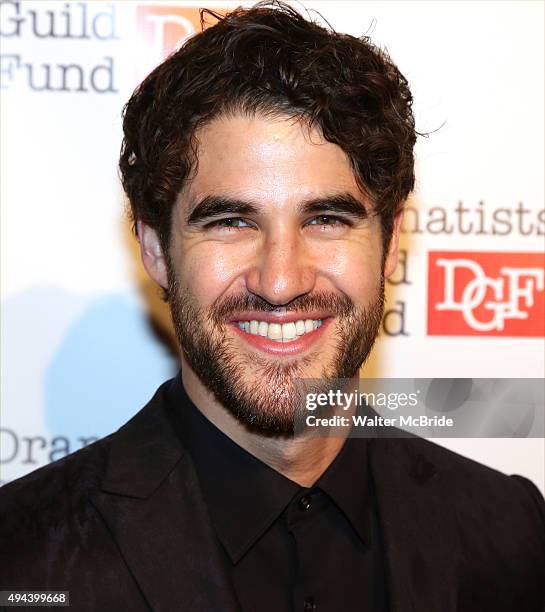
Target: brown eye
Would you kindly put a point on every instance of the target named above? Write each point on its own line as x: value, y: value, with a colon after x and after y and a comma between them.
x: 325, y: 220
x: 234, y: 222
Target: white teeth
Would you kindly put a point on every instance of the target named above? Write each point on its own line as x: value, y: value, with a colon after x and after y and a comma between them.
x: 275, y: 331
x: 280, y: 332
x: 288, y: 331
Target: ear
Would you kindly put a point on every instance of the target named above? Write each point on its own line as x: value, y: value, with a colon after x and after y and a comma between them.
x: 390, y: 261
x: 152, y: 254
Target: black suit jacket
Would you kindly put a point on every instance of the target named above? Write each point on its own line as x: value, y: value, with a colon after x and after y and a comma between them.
x: 122, y: 525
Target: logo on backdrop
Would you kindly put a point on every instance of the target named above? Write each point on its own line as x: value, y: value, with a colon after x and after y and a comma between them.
x: 162, y: 29
x: 34, y: 38
x: 85, y: 37
x: 494, y: 294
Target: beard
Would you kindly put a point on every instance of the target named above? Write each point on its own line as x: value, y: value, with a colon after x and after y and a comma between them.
x: 267, y: 395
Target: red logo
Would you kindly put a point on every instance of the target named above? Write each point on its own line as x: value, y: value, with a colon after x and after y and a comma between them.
x: 162, y: 29
x: 486, y: 294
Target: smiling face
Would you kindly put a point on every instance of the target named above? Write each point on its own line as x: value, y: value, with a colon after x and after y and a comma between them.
x: 274, y: 267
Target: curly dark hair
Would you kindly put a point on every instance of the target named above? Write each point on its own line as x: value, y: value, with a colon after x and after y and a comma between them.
x: 269, y: 59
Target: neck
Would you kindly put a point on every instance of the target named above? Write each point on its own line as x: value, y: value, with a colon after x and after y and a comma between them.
x: 302, y: 459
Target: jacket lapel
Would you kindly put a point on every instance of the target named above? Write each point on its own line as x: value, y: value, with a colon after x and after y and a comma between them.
x: 418, y: 527
x: 151, y: 501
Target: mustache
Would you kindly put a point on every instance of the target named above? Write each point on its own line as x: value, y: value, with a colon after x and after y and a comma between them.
x: 337, y: 305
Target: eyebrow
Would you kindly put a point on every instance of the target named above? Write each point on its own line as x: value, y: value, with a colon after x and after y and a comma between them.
x: 213, y: 206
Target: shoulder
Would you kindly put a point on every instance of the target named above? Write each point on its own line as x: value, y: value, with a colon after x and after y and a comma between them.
x: 63, y: 484
x: 494, y: 522
x: 477, y: 484
x: 50, y: 527
x: 76, y: 476
x: 470, y: 474
x: 61, y: 492
x: 52, y: 494
x: 500, y: 518
x: 48, y: 524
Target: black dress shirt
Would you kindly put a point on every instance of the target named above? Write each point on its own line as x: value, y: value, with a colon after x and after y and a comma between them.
x: 287, y: 547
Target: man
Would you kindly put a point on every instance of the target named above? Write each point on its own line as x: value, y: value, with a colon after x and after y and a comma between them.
x: 266, y: 163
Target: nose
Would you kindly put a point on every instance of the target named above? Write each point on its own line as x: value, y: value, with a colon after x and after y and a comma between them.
x: 282, y: 270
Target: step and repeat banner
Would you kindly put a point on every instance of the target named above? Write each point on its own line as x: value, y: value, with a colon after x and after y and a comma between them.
x: 85, y: 337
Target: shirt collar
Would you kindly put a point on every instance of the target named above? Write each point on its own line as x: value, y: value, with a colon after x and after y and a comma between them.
x: 346, y: 482
x: 244, y: 495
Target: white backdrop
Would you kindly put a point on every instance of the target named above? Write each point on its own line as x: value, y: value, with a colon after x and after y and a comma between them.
x: 82, y: 346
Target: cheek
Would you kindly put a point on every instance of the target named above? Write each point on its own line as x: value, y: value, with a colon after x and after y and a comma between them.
x: 352, y: 267
x: 211, y: 270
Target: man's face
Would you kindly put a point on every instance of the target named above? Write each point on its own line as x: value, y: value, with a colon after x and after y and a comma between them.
x: 274, y: 268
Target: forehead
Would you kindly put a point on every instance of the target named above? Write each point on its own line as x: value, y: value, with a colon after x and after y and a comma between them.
x: 270, y: 160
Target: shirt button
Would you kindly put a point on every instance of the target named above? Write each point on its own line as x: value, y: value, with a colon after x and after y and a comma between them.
x: 304, y: 505
x: 309, y: 605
